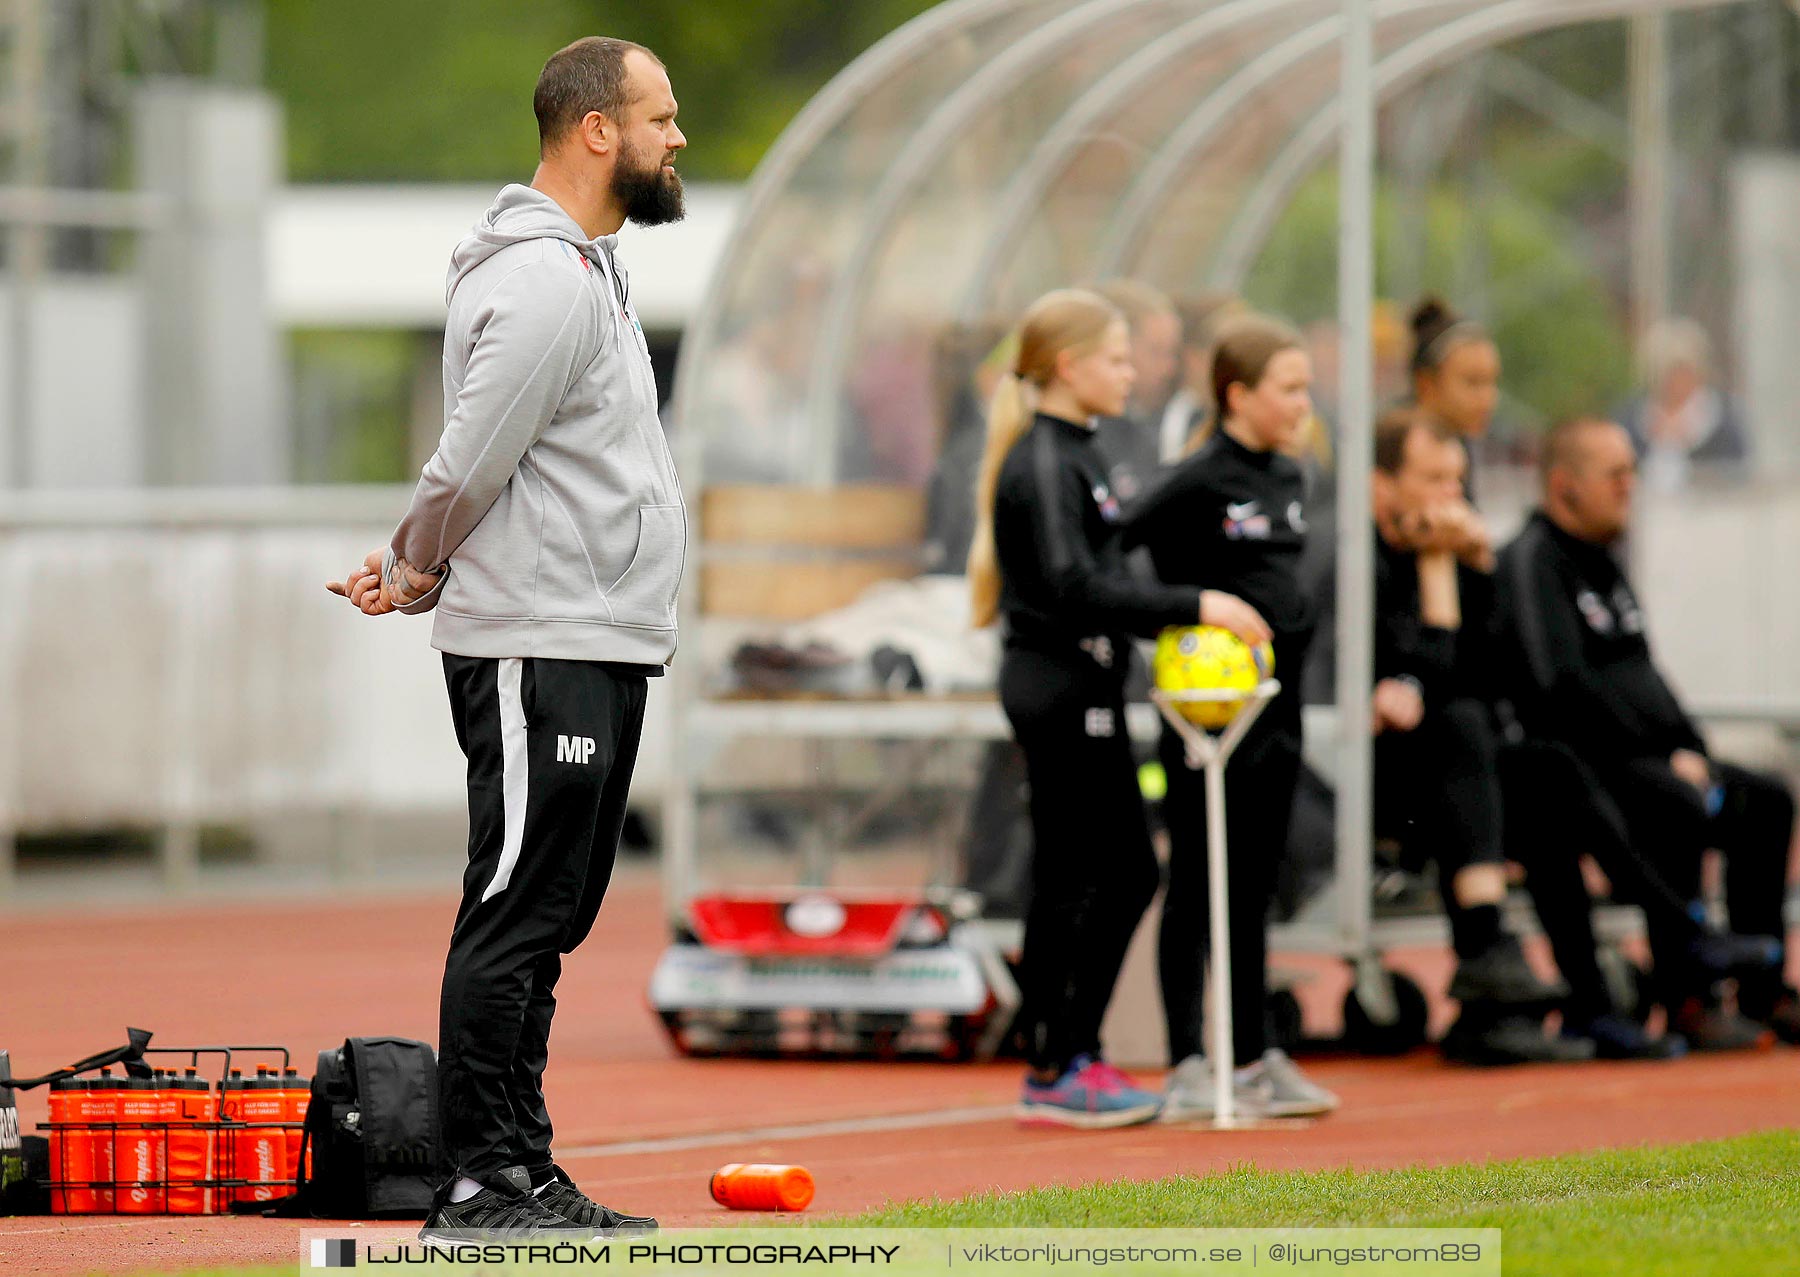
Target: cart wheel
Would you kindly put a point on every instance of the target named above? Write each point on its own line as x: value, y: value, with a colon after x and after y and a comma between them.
x: 1407, y: 1031
x: 1627, y: 984
x: 882, y: 1035
x: 1284, y: 1021
x: 963, y: 1039
x: 671, y: 1022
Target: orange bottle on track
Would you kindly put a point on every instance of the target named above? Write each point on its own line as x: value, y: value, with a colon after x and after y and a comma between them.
x: 186, y: 1103
x: 255, y: 1152
x: 140, y: 1163
x: 762, y: 1186
x: 101, y: 1107
x: 71, y: 1151
x: 296, y: 1092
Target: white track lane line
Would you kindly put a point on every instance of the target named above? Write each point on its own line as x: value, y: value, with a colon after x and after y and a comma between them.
x: 6, y: 1233
x: 798, y: 1131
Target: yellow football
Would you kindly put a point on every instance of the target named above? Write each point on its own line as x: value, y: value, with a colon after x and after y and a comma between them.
x: 1206, y: 658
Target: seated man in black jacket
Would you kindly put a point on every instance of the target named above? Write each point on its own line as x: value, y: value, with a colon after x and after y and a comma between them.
x: 1578, y: 672
x: 1436, y: 756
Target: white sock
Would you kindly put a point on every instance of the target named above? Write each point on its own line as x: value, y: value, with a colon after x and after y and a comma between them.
x: 539, y: 1190
x: 464, y: 1189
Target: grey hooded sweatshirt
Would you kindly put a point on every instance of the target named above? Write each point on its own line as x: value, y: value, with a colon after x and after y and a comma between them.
x: 551, y: 497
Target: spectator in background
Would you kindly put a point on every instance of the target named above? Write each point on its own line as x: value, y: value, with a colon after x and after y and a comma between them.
x: 1579, y: 672
x: 1190, y: 407
x: 968, y: 363
x: 1682, y: 420
x: 1129, y: 445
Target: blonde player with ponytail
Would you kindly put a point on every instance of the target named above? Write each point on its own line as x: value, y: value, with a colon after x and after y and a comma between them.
x: 1046, y: 561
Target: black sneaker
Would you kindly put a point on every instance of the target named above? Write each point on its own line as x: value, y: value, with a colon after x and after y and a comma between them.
x: 503, y: 1211
x: 1780, y: 1013
x: 561, y: 1196
x: 1500, y: 975
x: 1488, y: 1042
x: 1709, y: 1026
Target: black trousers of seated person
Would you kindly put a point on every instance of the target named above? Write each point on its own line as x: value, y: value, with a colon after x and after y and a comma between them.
x: 1093, y: 870
x: 1557, y: 811
x: 1259, y: 804
x: 1753, y: 828
x: 1437, y: 789
x: 550, y: 747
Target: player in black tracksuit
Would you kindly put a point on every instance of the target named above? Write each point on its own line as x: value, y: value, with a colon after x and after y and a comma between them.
x: 1229, y: 517
x: 1437, y: 774
x: 1070, y: 609
x: 1583, y: 677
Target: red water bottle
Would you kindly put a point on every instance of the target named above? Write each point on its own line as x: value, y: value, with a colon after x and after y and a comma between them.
x: 141, y: 1162
x: 257, y: 1151
x: 101, y: 1107
x: 71, y: 1151
x: 186, y: 1104
x: 296, y: 1093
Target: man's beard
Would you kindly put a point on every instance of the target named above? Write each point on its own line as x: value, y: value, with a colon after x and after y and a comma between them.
x: 649, y: 196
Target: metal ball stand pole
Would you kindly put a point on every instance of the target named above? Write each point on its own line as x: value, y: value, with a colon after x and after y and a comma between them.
x: 1204, y: 750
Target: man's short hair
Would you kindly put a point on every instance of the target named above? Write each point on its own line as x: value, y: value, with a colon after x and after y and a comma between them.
x: 588, y: 75
x: 1564, y: 443
x: 1394, y: 427
x: 1136, y: 300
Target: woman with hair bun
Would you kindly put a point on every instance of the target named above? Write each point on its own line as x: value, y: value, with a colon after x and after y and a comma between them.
x: 1046, y: 560
x: 1455, y: 369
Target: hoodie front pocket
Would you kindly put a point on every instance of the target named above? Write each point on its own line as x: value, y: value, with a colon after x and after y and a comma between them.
x: 645, y: 595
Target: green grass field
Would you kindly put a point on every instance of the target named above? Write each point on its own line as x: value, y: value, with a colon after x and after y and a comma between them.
x: 1728, y: 1207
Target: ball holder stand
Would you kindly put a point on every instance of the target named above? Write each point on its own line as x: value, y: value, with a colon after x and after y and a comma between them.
x: 1205, y: 751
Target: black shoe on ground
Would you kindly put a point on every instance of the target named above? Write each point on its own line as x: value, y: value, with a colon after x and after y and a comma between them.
x: 1487, y: 1041
x: 1712, y: 1027
x: 1782, y: 1016
x: 1617, y: 1037
x: 1724, y: 953
x: 1500, y: 975
x: 503, y: 1211
x: 561, y: 1196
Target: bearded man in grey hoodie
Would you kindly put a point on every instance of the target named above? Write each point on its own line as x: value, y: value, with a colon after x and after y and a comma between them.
x: 547, y: 532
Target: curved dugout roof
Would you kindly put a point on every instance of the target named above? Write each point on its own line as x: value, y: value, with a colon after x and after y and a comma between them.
x: 992, y: 149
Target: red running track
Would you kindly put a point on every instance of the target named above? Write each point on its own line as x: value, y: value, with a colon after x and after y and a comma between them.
x: 642, y: 1128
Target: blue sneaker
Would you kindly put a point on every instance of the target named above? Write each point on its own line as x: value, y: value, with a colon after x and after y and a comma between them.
x: 1092, y: 1095
x: 1617, y: 1038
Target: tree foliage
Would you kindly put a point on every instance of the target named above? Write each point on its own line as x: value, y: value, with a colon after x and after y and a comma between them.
x: 440, y: 90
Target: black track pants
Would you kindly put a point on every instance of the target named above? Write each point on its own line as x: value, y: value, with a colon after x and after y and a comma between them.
x: 1558, y: 808
x: 1753, y: 827
x: 1437, y: 789
x: 1093, y: 871
x: 1259, y: 804
x: 551, y: 745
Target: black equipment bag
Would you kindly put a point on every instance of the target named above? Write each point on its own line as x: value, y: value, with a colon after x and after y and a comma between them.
x: 371, y: 1133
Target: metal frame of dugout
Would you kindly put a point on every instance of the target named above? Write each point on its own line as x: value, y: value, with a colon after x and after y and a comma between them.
x: 933, y: 81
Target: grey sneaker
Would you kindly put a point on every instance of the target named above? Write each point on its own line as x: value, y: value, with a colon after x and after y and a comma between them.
x: 1188, y: 1095
x: 1287, y: 1091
